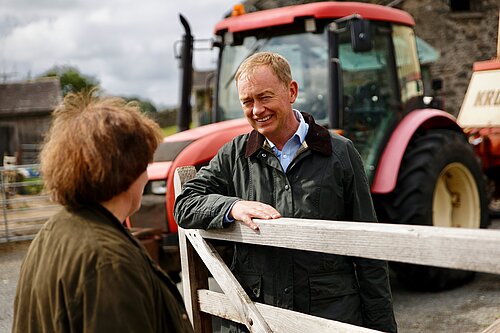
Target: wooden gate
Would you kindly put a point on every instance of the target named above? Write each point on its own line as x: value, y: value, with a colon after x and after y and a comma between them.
x: 469, y: 249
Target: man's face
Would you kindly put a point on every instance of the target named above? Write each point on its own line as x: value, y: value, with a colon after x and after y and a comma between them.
x: 266, y: 102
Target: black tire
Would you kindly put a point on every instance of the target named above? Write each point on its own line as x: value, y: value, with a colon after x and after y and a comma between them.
x: 436, y: 164
x: 493, y: 189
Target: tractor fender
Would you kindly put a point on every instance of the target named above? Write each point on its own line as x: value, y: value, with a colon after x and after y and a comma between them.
x: 199, y: 152
x: 388, y: 167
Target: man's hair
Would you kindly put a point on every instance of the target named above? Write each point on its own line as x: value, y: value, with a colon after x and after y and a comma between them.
x: 96, y: 148
x: 278, y: 64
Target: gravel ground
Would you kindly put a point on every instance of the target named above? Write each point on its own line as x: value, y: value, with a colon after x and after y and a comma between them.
x: 11, y: 256
x: 469, y: 309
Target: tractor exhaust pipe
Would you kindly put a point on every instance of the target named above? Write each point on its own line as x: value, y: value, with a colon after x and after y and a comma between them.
x: 186, y: 57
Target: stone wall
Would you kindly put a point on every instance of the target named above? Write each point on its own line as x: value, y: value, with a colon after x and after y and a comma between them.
x: 461, y: 37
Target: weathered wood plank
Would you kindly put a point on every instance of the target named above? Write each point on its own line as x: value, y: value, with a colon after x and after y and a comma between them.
x: 194, y: 277
x: 493, y: 328
x: 187, y: 293
x: 182, y: 175
x: 280, y: 320
x: 194, y: 272
x: 469, y: 249
x: 240, y: 301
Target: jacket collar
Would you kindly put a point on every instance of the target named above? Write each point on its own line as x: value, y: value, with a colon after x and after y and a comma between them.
x: 317, y: 138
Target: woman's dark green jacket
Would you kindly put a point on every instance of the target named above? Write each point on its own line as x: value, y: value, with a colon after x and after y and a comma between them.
x: 84, y: 272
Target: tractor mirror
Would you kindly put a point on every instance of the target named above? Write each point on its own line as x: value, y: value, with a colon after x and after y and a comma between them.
x: 361, y: 40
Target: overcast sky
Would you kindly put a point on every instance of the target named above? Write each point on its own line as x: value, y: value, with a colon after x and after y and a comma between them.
x: 127, y: 45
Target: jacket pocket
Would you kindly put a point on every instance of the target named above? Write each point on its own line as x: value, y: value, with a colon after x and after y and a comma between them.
x: 335, y: 295
x: 252, y: 284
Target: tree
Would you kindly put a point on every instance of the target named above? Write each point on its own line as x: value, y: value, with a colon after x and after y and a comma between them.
x: 145, y: 105
x: 71, y: 79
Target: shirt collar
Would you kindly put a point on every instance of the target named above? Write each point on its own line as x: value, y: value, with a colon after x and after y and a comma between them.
x: 317, y: 138
x: 300, y: 133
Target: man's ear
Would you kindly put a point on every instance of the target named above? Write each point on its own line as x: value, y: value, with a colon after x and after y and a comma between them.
x: 294, y: 91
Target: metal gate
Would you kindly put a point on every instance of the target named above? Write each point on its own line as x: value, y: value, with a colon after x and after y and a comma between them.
x: 24, y: 204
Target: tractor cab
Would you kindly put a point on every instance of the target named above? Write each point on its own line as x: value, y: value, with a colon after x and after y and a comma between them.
x: 372, y: 79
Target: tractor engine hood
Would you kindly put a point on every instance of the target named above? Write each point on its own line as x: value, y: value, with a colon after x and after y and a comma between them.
x: 213, y: 135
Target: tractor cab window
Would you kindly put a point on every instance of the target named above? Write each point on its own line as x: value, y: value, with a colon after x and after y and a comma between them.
x: 370, y: 94
x: 307, y: 54
x: 408, y: 67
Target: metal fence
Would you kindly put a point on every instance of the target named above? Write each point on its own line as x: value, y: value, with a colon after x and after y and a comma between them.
x: 24, y: 205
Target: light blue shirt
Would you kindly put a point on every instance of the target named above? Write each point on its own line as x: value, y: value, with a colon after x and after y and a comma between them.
x: 290, y: 148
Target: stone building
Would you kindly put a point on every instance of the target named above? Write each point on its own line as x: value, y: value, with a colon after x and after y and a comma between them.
x: 463, y: 31
x: 25, y: 115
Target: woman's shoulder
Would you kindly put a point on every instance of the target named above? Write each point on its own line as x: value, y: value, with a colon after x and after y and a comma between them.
x: 93, y: 237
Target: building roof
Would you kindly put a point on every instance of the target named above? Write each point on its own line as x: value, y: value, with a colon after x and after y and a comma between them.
x: 30, y: 98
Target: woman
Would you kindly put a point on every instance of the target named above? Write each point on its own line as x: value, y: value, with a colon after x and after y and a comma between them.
x: 84, y: 272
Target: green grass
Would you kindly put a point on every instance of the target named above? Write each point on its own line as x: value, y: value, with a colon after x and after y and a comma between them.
x: 31, y: 189
x: 169, y: 130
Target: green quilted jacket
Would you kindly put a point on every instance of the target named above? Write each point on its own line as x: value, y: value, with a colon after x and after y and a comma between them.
x: 84, y: 272
x: 325, y: 180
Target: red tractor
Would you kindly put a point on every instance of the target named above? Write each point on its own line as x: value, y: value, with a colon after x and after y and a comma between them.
x: 359, y: 75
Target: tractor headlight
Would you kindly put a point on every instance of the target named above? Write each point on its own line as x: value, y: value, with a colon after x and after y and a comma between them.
x: 159, y: 186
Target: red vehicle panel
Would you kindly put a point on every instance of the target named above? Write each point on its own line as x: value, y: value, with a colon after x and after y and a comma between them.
x: 287, y: 15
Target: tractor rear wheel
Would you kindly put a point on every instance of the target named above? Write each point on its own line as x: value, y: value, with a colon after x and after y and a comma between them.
x: 439, y: 183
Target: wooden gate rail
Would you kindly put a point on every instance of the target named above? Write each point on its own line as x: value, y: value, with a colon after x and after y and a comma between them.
x: 245, y: 308
x: 469, y: 249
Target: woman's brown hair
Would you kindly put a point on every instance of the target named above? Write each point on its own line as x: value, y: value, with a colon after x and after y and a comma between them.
x: 96, y: 148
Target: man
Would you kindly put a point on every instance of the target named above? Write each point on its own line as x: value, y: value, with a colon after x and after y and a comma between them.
x: 289, y: 166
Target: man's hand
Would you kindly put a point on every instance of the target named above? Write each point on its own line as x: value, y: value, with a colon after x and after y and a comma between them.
x: 244, y: 211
